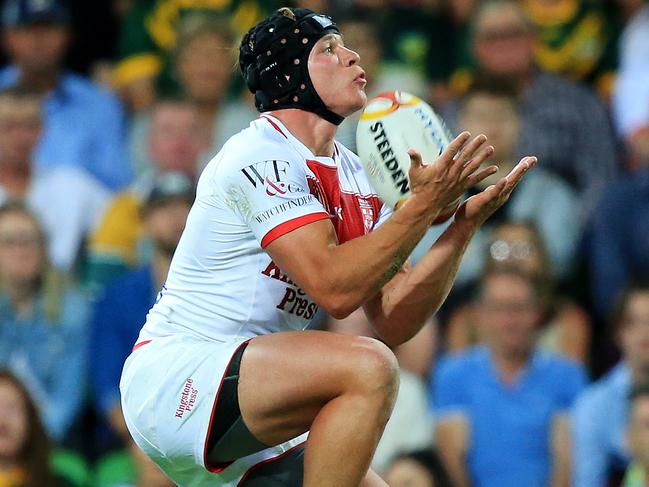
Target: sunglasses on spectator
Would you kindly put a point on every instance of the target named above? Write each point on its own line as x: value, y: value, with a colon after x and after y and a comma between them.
x: 501, y: 34
x: 18, y: 240
x: 506, y: 307
x: 502, y: 250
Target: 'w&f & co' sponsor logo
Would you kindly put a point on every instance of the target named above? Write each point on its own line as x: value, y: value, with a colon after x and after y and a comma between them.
x: 271, y: 176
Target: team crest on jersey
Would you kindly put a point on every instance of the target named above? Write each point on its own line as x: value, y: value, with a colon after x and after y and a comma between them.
x: 367, y: 210
x: 270, y: 176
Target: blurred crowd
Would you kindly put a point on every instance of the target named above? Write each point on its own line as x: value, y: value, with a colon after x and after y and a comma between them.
x: 535, y: 372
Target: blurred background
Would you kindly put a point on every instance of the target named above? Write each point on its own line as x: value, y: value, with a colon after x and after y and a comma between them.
x: 536, y: 370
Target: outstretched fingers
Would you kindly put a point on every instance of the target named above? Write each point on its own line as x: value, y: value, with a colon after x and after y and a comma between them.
x: 470, y: 167
x: 516, y: 174
x: 495, y: 190
x: 464, y: 158
x: 475, y: 178
x: 448, y: 156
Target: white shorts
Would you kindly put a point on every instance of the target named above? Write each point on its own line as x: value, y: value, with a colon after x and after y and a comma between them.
x: 169, y: 387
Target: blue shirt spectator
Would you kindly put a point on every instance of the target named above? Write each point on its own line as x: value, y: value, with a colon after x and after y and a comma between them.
x: 84, y: 126
x: 118, y: 317
x: 599, y: 424
x: 43, y: 321
x: 48, y: 355
x: 509, y: 425
x: 620, y: 239
x: 601, y: 413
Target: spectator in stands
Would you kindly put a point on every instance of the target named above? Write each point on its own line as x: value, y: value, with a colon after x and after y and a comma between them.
x: 601, y: 412
x: 410, y: 425
x: 206, y: 85
x: 619, y: 239
x: 416, y: 39
x: 26, y: 459
x: 122, y: 308
x: 565, y: 326
x: 150, y: 34
x: 502, y: 409
x: 66, y: 199
x: 491, y: 107
x: 637, y: 432
x: 561, y: 122
x: 576, y: 39
x: 43, y: 321
x: 631, y: 93
x: 175, y: 142
x: 83, y: 123
x: 421, y: 468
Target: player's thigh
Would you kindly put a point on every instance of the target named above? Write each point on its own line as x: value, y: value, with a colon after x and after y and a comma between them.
x: 286, y: 378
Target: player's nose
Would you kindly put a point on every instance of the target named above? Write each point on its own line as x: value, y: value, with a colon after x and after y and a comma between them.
x: 349, y: 57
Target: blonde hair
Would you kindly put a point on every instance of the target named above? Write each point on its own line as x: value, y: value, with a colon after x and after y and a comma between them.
x: 197, y: 25
x: 51, y: 284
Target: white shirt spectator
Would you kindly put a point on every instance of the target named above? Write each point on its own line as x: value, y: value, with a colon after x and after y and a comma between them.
x: 631, y: 94
x: 69, y: 202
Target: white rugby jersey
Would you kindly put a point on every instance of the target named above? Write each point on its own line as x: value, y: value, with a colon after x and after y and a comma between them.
x: 263, y: 184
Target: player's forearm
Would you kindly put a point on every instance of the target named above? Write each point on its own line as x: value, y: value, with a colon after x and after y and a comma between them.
x: 403, y: 308
x: 356, y: 271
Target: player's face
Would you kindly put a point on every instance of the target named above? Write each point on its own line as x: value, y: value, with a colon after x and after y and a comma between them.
x: 337, y: 77
x: 360, y: 37
x: 13, y: 421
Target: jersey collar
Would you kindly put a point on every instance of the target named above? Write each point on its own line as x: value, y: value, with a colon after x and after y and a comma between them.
x: 302, y: 149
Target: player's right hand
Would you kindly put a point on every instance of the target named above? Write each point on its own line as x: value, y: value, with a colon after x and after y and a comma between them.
x: 437, y: 185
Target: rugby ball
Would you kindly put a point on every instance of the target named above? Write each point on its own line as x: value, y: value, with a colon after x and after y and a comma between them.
x: 391, y: 123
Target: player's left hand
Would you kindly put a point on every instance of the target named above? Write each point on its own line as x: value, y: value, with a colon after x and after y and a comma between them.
x: 475, y: 210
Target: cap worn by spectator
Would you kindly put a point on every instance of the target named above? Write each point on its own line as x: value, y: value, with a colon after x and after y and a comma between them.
x: 168, y: 186
x: 19, y: 13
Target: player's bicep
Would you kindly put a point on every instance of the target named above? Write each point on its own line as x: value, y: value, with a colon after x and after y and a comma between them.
x: 303, y: 253
x: 273, y: 197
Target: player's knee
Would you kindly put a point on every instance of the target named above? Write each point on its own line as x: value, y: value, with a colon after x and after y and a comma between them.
x: 376, y: 369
